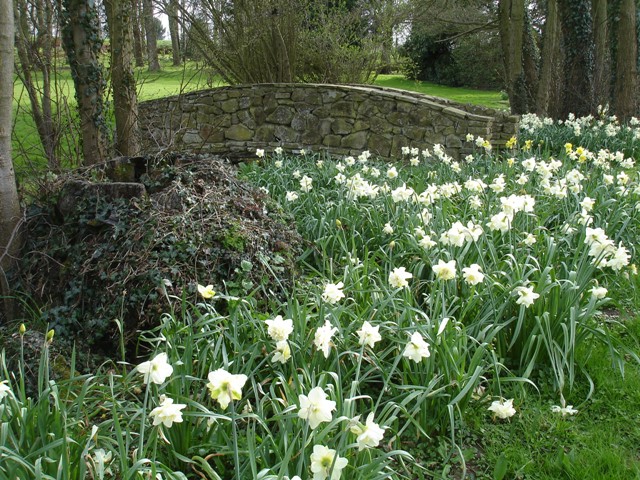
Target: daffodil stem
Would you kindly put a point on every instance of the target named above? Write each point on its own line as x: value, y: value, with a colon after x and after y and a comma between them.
x: 234, y: 430
x: 144, y: 419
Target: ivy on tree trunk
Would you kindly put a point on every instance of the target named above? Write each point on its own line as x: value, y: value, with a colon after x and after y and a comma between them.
x: 577, y: 33
x: 82, y: 43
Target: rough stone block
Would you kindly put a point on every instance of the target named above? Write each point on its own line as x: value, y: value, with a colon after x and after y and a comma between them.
x: 258, y: 115
x: 75, y: 192
x: 405, y: 106
x: 360, y: 125
x: 397, y: 118
x: 322, y: 112
x: 212, y: 110
x: 245, y: 117
x: 379, y: 125
x: 380, y: 145
x: 229, y: 106
x: 324, y: 127
x: 356, y: 140
x: 303, y: 121
x: 330, y: 96
x: 453, y: 141
x: 239, y: 133
x: 367, y: 108
x: 211, y: 134
x: 311, y: 137
x: 331, y: 140
x: 191, y: 137
x: 265, y: 134
x: 280, y: 116
x: 285, y: 134
x: 307, y: 95
x: 342, y: 109
x: 398, y: 142
x: 413, y: 133
x: 341, y: 127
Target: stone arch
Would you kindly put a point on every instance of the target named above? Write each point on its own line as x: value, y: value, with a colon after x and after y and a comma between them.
x: 341, y: 119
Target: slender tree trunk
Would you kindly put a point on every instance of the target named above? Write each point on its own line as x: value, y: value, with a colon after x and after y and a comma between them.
x: 122, y: 78
x: 174, y: 31
x: 39, y: 95
x: 138, y: 42
x: 530, y: 61
x: 82, y: 44
x: 9, y: 202
x: 625, y: 101
x: 550, y: 68
x: 511, y: 24
x: 577, y: 35
x: 152, y: 40
x: 602, y: 61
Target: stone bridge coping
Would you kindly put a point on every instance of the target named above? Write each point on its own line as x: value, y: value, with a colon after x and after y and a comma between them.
x: 292, y: 115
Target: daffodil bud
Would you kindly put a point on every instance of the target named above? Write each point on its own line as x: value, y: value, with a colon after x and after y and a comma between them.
x: 50, y: 335
x: 22, y: 329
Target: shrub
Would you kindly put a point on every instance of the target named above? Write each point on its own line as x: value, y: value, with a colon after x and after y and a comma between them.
x: 118, y: 259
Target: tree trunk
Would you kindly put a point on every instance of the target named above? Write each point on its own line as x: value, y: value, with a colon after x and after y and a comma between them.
x: 31, y: 59
x: 530, y: 63
x: 511, y: 24
x: 152, y: 40
x: 82, y: 45
x: 577, y: 34
x: 602, y: 59
x: 174, y: 31
x: 122, y: 79
x: 550, y: 69
x: 9, y: 202
x: 625, y: 101
x: 138, y: 43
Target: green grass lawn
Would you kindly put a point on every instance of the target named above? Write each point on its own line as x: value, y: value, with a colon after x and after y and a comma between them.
x: 28, y: 156
x: 484, y: 98
x: 600, y: 442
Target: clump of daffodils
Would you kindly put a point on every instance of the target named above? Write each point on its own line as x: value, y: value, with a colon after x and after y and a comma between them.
x: 316, y: 408
x: 502, y: 408
x: 156, y: 370
x: 417, y: 349
x: 167, y: 413
x: 225, y: 387
x: 399, y: 277
x: 326, y: 463
x: 323, y: 336
x: 333, y: 293
x: 369, y: 434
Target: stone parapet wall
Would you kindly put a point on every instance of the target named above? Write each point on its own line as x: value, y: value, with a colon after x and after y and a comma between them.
x: 340, y: 119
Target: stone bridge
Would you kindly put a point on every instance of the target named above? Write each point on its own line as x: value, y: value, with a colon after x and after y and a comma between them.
x: 341, y: 119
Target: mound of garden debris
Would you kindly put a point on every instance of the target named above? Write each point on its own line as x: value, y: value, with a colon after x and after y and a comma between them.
x: 98, y: 251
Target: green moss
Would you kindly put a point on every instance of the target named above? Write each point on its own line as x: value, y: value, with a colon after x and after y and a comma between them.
x: 234, y: 239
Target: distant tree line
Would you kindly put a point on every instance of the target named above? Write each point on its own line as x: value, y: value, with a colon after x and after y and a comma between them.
x: 552, y: 57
